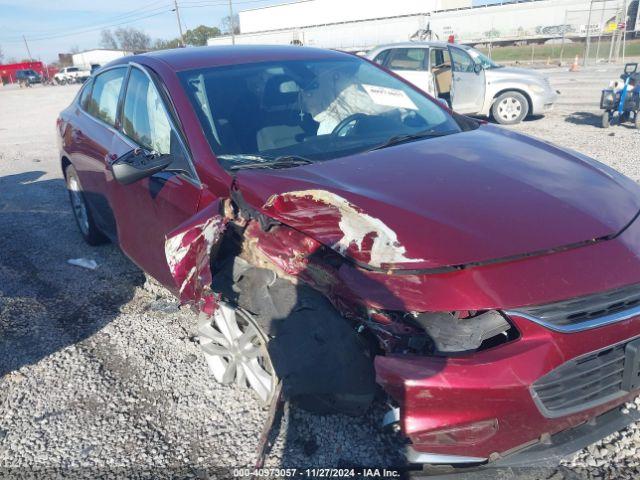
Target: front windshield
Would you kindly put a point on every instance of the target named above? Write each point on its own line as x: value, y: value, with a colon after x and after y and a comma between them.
x: 314, y: 109
x: 482, y: 59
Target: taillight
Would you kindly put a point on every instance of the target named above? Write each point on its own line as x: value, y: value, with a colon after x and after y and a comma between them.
x: 469, y: 434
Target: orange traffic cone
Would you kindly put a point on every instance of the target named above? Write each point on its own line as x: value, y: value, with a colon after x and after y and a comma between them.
x: 574, y: 66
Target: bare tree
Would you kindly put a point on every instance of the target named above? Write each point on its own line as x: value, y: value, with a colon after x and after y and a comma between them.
x: 74, y: 49
x: 107, y: 40
x: 1, y: 54
x: 160, y: 44
x: 228, y: 23
x: 129, y: 39
x: 132, y: 39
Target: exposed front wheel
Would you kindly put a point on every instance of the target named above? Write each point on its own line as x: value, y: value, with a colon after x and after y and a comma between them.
x: 90, y: 232
x: 606, y: 119
x: 510, y: 108
x: 235, y: 349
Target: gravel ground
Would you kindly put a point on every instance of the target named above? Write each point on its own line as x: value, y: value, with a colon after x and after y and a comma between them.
x: 99, y: 371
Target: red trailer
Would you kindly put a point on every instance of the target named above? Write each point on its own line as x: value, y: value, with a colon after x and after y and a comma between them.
x: 8, y: 72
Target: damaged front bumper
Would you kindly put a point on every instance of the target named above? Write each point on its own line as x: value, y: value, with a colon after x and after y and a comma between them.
x: 481, y: 408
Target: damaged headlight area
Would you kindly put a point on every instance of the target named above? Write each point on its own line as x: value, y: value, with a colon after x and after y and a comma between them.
x: 440, y: 333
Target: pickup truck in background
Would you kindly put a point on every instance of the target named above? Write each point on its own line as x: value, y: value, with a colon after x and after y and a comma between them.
x: 71, y: 75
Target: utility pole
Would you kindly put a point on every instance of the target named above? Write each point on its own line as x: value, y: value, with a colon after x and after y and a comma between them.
x: 27, y: 45
x: 231, y: 23
x: 586, y: 53
x: 175, y: 3
x: 624, y: 28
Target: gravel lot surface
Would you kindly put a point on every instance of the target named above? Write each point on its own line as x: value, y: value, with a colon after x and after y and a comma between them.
x: 99, y: 371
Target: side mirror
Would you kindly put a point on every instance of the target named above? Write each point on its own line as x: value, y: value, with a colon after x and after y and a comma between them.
x: 138, y: 164
x: 477, y: 68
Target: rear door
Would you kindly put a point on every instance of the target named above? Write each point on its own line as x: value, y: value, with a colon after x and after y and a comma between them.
x: 468, y: 86
x: 93, y: 131
x: 147, y: 210
x: 411, y: 64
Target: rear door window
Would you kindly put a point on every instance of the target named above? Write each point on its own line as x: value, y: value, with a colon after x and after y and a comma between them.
x: 407, y: 59
x: 85, y: 94
x: 103, y: 103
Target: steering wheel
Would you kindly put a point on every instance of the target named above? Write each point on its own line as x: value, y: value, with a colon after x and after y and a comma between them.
x: 345, y: 122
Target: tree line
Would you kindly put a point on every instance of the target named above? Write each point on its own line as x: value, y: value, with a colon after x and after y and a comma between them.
x: 135, y: 40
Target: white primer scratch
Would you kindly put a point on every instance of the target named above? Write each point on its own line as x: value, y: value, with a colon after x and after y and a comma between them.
x: 355, y: 226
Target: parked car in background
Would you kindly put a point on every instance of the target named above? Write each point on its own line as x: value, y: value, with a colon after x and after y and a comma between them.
x: 28, y: 77
x: 335, y: 228
x: 469, y: 81
x: 71, y: 75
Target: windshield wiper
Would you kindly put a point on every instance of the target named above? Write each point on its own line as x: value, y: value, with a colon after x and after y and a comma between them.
x: 285, y: 161
x: 409, y: 137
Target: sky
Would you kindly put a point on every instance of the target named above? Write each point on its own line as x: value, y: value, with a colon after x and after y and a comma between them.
x: 57, y: 26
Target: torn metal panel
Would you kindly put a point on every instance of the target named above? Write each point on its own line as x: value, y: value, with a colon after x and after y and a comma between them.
x: 188, y: 249
x: 350, y: 230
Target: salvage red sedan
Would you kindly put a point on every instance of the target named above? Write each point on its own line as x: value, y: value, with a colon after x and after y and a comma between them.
x: 340, y: 232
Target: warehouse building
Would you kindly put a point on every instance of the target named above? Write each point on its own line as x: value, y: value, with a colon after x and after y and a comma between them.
x: 97, y: 56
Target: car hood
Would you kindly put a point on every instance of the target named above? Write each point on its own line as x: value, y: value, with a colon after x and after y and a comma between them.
x: 514, y: 72
x: 477, y: 196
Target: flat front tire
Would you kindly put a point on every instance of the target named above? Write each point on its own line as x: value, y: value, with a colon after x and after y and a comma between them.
x: 510, y: 108
x: 88, y: 229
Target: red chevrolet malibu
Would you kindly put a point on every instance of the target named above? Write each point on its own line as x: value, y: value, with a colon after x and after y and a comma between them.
x: 341, y: 234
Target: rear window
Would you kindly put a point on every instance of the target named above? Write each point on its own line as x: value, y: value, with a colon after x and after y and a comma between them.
x: 408, y: 59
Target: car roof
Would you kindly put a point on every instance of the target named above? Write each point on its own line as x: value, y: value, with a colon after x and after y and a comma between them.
x: 200, y: 57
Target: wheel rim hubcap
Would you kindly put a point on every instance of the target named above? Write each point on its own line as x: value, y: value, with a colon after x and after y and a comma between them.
x: 509, y: 108
x: 236, y: 352
x: 77, y: 202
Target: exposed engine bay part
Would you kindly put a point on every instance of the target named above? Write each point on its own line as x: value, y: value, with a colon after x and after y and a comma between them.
x: 317, y: 354
x: 452, y: 334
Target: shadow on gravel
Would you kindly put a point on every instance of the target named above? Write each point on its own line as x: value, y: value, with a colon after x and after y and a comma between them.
x: 46, y: 304
x: 584, y: 118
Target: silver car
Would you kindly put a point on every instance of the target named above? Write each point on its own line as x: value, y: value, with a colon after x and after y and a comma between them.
x: 470, y: 82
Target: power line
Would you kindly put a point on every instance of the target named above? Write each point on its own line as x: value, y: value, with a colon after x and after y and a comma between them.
x: 130, y: 16
x: 79, y: 32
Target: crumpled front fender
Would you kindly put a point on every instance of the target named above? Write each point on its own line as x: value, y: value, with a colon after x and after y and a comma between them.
x: 188, y: 249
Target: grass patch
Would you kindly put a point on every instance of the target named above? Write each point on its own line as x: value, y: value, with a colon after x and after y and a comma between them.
x: 552, y: 52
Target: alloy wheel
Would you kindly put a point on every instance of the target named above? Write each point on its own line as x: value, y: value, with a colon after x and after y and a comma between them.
x: 77, y: 202
x: 236, y: 351
x: 509, y: 109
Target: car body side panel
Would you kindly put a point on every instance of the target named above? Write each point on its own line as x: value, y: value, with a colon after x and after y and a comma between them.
x: 87, y: 142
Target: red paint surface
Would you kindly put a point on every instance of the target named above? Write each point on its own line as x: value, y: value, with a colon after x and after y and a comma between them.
x: 439, y: 392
